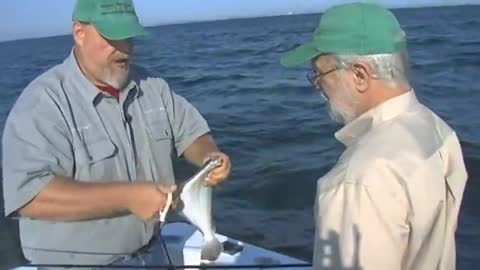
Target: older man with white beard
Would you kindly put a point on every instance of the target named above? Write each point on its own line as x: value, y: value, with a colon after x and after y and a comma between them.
x: 392, y: 199
x: 88, y: 148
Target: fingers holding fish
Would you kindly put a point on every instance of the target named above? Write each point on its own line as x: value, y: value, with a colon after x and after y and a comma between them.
x: 167, y: 189
x: 147, y: 199
x: 221, y: 173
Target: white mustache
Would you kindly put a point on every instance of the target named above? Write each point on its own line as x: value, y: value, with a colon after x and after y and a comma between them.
x: 120, y: 60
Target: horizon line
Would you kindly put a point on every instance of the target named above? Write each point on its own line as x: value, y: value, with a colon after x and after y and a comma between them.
x: 184, y: 22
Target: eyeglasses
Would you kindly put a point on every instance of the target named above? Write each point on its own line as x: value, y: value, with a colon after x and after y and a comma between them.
x: 313, y: 76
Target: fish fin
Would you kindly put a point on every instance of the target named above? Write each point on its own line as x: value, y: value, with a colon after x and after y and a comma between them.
x: 211, y: 250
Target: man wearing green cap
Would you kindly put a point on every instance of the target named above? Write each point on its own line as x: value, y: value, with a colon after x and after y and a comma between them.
x: 392, y: 200
x: 89, y: 146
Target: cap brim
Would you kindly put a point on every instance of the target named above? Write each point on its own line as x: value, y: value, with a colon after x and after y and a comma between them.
x: 121, y: 29
x: 300, y: 55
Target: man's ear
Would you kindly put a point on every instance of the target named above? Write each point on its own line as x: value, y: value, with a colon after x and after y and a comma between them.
x: 361, y: 76
x: 78, y: 30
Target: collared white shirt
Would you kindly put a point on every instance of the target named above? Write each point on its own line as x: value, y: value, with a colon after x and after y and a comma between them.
x: 392, y: 200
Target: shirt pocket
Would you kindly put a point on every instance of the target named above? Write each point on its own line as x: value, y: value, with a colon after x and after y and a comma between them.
x: 96, y: 160
x: 93, y: 146
x: 157, y: 123
x: 100, y: 150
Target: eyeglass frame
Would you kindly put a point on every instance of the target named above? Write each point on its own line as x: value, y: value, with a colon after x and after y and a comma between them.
x: 313, y: 75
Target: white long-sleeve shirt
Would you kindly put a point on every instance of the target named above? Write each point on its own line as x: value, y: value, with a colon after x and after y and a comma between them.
x: 392, y: 200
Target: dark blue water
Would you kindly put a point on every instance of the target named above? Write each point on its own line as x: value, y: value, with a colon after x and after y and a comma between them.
x: 272, y: 123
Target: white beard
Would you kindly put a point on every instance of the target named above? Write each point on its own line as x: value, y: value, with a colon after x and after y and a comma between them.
x: 342, y: 117
x: 117, y: 81
x: 337, y: 115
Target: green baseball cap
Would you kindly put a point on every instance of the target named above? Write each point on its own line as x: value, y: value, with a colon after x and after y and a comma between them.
x: 355, y: 28
x: 114, y: 19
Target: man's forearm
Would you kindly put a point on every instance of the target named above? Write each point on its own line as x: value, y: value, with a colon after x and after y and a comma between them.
x: 64, y: 199
x: 199, y: 149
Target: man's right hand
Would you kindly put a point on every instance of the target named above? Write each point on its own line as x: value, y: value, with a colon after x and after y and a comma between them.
x: 146, y: 200
x: 65, y: 199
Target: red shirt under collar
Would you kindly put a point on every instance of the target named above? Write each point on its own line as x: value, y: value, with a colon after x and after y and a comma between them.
x: 112, y: 91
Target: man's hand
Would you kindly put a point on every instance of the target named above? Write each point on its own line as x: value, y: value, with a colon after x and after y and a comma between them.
x: 220, y: 174
x: 65, y: 199
x: 147, y: 199
x: 203, y: 149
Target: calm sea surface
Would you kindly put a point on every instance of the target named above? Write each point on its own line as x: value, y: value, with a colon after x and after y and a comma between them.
x: 271, y: 122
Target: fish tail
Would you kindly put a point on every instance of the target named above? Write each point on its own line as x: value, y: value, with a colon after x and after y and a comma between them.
x: 211, y: 249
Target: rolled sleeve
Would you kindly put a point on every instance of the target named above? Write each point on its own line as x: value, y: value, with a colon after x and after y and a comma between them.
x: 359, y: 227
x: 187, y: 122
x: 35, y: 148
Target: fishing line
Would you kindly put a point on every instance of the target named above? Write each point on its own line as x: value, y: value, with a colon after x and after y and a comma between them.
x: 172, y: 266
x: 163, y: 215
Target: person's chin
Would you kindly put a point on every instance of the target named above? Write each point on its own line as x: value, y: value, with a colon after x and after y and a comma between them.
x: 340, y: 117
x: 120, y: 81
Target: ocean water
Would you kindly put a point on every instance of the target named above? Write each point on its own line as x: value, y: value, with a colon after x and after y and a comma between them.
x: 271, y: 122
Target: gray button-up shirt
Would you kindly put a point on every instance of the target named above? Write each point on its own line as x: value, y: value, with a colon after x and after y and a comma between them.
x: 63, y: 125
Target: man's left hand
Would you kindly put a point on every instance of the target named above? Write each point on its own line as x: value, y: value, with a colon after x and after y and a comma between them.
x: 220, y: 174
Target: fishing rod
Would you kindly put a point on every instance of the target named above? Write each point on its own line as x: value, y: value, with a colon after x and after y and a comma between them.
x: 170, y: 267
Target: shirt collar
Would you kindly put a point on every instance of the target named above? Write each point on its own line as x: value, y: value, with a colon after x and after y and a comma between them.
x: 389, y: 109
x: 88, y: 89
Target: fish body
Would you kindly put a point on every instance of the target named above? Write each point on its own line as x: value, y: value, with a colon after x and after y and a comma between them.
x: 196, y: 206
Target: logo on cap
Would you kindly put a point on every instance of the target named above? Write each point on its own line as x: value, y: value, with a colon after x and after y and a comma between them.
x: 117, y: 8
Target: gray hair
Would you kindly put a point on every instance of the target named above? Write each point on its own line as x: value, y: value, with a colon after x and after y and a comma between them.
x: 393, y: 68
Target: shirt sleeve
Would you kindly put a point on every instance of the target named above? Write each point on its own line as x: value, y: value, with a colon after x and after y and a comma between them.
x: 187, y: 122
x: 360, y: 227
x: 35, y: 147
